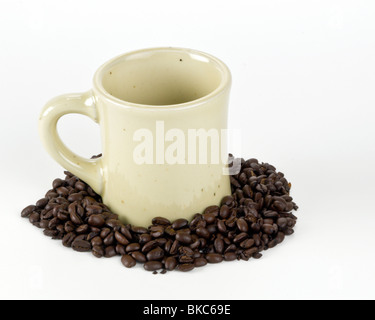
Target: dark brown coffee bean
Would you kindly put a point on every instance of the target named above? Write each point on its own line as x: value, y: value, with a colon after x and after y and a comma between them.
x: 161, y: 221
x: 76, y: 219
x: 57, y: 183
x: 214, y: 257
x: 228, y: 200
x: 94, y: 209
x: 224, y: 212
x: 84, y: 228
x: 128, y: 261
x: 42, y: 203
x: 149, y: 246
x: 109, y: 240
x: 120, y: 249
x: 105, y: 232
x: 79, y: 185
x: 97, y: 241
x: 179, y: 224
x: 50, y: 233
x: 230, y: 256
x: 110, y: 252
x: 219, y: 245
x: 241, y: 237
x: 153, y: 265
x: 62, y: 191
x: 68, y: 239
x: 133, y: 247
x: 126, y: 232
x: 27, y: 211
x: 200, y: 262
x: 186, y: 267
x: 155, y: 254
x: 282, y: 223
x: 121, y: 239
x: 96, y: 220
x: 246, y: 244
x: 221, y: 226
x: 209, y: 218
x: 139, y: 256
x: 139, y: 230
x: 183, y: 237
x: 280, y: 237
x: 81, y: 245
x: 98, y: 251
x: 268, y: 229
x: 34, y: 217
x: 170, y: 263
x: 203, y: 233
x: 242, y: 225
x: 156, y: 231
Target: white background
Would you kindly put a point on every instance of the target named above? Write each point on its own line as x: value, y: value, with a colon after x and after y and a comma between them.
x: 303, y: 96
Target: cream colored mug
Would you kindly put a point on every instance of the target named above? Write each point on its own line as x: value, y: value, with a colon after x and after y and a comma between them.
x: 146, y: 102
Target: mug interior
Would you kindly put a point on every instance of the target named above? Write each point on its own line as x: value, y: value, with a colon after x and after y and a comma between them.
x: 162, y: 77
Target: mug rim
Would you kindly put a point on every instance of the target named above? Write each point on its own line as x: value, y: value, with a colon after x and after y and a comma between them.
x: 225, y: 82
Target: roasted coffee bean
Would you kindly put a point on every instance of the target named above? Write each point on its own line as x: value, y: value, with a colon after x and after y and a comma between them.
x: 230, y: 256
x: 82, y: 229
x: 81, y: 245
x: 170, y: 263
x: 214, y: 257
x: 149, y: 246
x: 128, y: 261
x: 139, y: 230
x: 34, y: 217
x: 68, y: 239
x: 98, y: 251
x: 121, y: 239
x: 183, y: 237
x: 41, y: 203
x: 161, y: 221
x: 186, y: 267
x: 246, y: 244
x: 133, y: 247
x: 96, y: 220
x: 156, y: 231
x: 120, y: 249
x: 27, y: 211
x: 242, y: 225
x: 219, y: 245
x: 110, y: 252
x: 108, y: 240
x: 203, y: 233
x: 212, y: 209
x: 62, y: 191
x: 105, y: 232
x: 97, y: 241
x: 209, y: 217
x: 155, y: 254
x: 179, y: 224
x: 268, y: 229
x: 153, y: 265
x: 200, y: 262
x: 240, y: 237
x: 138, y: 256
x: 224, y: 212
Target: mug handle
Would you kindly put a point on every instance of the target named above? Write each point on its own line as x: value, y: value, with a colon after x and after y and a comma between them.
x: 89, y: 170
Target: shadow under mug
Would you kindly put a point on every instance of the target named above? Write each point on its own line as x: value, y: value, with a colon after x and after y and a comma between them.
x: 155, y: 108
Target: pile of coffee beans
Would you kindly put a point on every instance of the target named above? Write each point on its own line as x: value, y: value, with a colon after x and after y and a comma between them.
x: 256, y: 217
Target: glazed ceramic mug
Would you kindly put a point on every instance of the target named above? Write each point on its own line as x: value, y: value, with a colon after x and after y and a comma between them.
x: 149, y: 104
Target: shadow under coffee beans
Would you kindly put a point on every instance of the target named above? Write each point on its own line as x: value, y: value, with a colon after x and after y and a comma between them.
x: 256, y: 217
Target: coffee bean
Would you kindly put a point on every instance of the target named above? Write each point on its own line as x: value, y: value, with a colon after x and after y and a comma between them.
x: 183, y: 237
x: 161, y: 221
x: 179, y: 224
x: 186, y: 267
x: 121, y: 239
x: 219, y: 245
x: 128, y: 261
x: 242, y: 225
x: 98, y: 251
x: 133, y: 247
x: 170, y: 263
x: 230, y: 256
x: 110, y: 252
x: 155, y: 254
x: 153, y: 265
x: 81, y: 245
x: 109, y: 240
x: 139, y: 256
x: 96, y: 220
x: 200, y: 262
x: 214, y: 257
x: 27, y: 211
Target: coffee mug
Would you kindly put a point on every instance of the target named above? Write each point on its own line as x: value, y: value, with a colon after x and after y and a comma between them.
x: 162, y: 114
